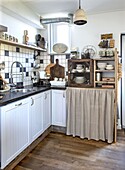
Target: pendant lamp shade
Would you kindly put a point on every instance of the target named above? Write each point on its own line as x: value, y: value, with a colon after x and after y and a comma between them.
x: 80, y: 16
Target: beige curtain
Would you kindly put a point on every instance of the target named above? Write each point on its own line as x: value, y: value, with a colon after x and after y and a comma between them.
x: 90, y: 113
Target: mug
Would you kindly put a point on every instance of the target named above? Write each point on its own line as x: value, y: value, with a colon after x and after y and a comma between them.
x: 55, y: 79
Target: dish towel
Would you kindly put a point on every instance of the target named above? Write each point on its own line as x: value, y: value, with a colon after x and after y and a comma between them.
x: 90, y: 113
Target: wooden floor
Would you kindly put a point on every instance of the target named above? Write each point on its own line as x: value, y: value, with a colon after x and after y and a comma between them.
x: 60, y: 152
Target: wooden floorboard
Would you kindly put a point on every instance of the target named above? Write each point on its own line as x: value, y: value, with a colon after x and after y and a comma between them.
x: 60, y: 152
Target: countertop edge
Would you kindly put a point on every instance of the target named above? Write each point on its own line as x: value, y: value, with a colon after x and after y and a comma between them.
x: 15, y: 98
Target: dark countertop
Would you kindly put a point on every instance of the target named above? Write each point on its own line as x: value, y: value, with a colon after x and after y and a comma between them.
x: 8, y: 97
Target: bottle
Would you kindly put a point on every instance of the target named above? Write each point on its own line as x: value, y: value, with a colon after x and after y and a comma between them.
x: 25, y: 37
x: 98, y: 77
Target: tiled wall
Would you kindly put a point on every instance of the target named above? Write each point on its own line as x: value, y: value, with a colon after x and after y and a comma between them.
x: 10, y: 54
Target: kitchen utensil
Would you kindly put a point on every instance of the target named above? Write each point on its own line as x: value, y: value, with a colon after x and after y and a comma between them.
x: 35, y: 77
x: 57, y: 71
x: 37, y: 66
x: 47, y: 69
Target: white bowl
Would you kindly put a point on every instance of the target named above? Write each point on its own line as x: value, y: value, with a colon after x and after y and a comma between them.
x: 80, y: 71
x: 79, y: 68
x: 109, y: 65
x: 109, y: 68
x: 101, y: 66
x: 79, y: 65
x: 80, y: 80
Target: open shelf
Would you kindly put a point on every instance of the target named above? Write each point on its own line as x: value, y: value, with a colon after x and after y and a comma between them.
x: 22, y: 45
x: 106, y: 71
x: 105, y: 82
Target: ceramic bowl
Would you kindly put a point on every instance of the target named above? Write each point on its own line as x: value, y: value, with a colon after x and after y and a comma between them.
x: 101, y: 66
x: 109, y: 68
x: 80, y: 80
x: 80, y: 71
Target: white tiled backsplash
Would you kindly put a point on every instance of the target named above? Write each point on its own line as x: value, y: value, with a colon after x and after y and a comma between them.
x: 9, y: 54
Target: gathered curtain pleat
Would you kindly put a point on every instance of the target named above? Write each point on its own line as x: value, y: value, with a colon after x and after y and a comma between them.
x: 90, y: 113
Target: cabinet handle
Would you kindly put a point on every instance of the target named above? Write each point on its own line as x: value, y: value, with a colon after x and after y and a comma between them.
x: 32, y: 101
x: 63, y: 95
x: 45, y: 96
x: 18, y: 104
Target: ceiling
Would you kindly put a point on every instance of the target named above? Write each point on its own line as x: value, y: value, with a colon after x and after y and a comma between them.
x: 30, y: 11
x: 43, y: 7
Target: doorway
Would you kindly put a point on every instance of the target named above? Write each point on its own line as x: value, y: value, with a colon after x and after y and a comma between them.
x: 122, y: 41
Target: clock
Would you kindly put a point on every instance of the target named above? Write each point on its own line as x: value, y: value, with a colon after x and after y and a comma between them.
x: 88, y: 51
x: 60, y: 48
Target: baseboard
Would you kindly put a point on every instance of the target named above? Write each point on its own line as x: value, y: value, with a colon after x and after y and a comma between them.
x: 58, y: 129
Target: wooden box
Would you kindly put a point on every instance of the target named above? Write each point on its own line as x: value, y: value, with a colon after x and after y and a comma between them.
x: 108, y: 79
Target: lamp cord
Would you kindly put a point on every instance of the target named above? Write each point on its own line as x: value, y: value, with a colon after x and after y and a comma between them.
x: 79, y: 4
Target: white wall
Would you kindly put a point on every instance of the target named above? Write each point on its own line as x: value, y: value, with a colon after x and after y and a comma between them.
x: 16, y: 27
x: 89, y: 34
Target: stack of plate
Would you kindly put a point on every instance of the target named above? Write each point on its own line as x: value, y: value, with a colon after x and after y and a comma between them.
x: 109, y: 67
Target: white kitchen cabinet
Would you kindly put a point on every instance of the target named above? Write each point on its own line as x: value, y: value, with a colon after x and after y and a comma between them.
x: 36, y: 116
x: 14, y: 130
x: 59, y: 108
x: 47, y: 117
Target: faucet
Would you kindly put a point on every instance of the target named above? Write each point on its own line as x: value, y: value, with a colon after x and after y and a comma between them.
x: 11, y: 72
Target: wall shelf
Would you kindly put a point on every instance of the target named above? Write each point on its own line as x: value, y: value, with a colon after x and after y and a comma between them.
x: 59, y: 53
x: 22, y: 45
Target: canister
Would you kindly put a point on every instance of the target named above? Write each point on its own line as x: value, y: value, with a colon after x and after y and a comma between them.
x: 98, y: 78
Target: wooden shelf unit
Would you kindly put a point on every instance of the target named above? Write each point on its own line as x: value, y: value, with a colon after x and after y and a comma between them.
x: 88, y: 74
x: 104, y: 73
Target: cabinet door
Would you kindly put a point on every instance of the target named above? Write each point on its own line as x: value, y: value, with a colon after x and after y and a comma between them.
x: 58, y: 108
x: 36, y: 116
x: 14, y: 130
x: 47, y: 118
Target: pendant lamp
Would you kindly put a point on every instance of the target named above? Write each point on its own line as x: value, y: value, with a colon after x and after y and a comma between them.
x: 80, y: 16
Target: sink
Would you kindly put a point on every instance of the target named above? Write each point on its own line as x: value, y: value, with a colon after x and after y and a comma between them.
x: 22, y: 90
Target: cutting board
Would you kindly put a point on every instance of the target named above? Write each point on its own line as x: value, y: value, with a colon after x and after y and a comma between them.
x: 47, y: 69
x: 57, y: 71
